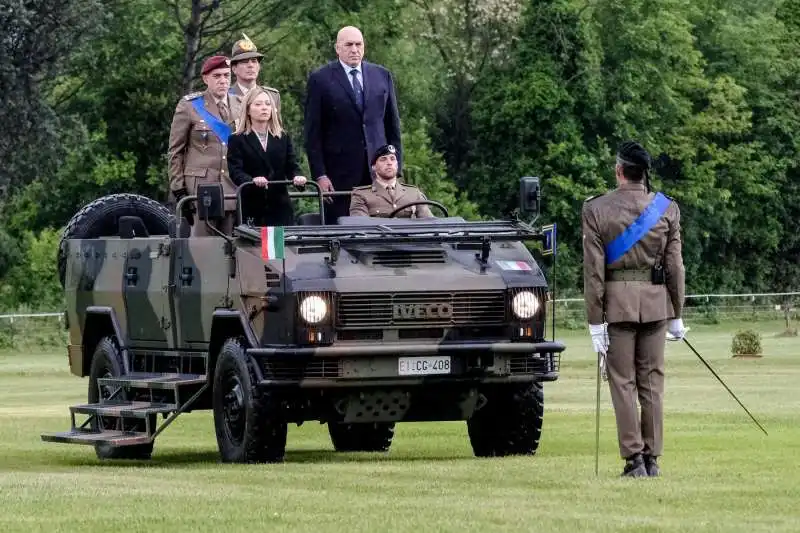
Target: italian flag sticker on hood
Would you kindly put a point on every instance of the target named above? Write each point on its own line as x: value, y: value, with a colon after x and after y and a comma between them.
x: 272, y: 243
x: 514, y: 265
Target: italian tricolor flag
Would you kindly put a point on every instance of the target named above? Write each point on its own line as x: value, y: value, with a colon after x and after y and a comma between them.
x: 272, y: 242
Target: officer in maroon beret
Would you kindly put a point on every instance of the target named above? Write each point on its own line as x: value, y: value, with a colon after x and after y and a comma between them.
x: 198, y: 139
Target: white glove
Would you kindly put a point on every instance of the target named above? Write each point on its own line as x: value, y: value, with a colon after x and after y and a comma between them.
x: 599, y: 333
x: 675, y: 330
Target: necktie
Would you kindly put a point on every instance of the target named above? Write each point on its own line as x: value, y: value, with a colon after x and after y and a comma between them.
x: 357, y: 89
x: 223, y: 111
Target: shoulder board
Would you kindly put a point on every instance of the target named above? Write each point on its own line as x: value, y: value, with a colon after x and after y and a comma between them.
x: 410, y: 186
x: 273, y: 89
x: 192, y: 96
x: 589, y: 199
x: 362, y: 187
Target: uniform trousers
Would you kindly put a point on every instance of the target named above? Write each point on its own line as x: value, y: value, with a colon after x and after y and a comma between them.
x: 635, y: 362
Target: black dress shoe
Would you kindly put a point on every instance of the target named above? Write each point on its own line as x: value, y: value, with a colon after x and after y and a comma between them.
x: 634, y: 467
x: 651, y: 465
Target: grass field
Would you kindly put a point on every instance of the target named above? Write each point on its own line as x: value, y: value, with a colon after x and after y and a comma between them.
x: 720, y: 472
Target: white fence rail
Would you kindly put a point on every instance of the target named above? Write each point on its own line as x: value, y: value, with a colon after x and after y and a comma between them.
x: 692, y: 299
x: 13, y: 317
x: 708, y: 297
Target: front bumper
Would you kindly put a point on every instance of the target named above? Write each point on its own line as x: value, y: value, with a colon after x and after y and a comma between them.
x: 404, y: 349
x: 378, y: 365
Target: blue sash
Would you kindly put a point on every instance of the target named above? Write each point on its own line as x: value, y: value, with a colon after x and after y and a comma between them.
x: 222, y: 130
x: 638, y: 229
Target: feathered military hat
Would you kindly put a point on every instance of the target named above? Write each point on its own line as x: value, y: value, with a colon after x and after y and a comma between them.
x: 244, y: 49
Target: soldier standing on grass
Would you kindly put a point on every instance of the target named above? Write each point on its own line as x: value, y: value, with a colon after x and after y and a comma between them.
x: 634, y: 290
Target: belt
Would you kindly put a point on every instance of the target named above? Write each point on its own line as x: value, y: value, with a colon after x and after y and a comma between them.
x: 629, y: 275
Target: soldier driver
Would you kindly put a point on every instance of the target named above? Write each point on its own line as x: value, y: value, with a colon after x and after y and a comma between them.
x: 386, y: 193
x: 633, y: 290
x: 198, y: 140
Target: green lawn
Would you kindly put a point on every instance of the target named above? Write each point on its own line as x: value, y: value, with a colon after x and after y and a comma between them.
x: 721, y: 472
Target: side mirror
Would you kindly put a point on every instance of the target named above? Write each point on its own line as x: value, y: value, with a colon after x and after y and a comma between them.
x: 210, y: 202
x: 529, y: 195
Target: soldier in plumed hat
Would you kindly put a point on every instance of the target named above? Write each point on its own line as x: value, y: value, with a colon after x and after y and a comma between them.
x: 387, y: 193
x: 246, y: 66
x: 198, y: 139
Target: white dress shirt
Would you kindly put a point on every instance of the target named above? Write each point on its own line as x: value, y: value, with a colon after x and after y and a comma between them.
x: 348, y: 68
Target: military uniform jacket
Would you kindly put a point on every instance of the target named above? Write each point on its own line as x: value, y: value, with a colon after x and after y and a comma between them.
x: 376, y: 201
x: 236, y: 91
x: 605, y: 217
x: 196, y: 155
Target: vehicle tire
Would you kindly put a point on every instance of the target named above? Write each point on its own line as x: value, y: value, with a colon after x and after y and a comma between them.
x: 248, y: 420
x: 363, y: 437
x: 100, y: 217
x: 107, y: 363
x: 510, y: 423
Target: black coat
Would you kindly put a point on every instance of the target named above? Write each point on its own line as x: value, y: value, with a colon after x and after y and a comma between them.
x: 246, y: 160
x: 339, y: 137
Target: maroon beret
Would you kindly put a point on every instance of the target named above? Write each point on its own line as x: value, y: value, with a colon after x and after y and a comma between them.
x: 215, y: 62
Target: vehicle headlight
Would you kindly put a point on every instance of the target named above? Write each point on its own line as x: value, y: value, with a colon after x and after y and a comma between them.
x: 313, y: 309
x: 525, y: 305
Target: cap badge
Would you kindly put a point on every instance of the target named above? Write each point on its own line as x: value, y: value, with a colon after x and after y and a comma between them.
x: 246, y: 44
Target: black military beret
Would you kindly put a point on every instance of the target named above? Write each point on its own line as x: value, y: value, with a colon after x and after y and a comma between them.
x: 631, y: 153
x: 383, y: 150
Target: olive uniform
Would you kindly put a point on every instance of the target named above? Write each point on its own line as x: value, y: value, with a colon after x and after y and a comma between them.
x: 636, y: 309
x: 377, y: 200
x: 197, y: 156
x: 236, y: 91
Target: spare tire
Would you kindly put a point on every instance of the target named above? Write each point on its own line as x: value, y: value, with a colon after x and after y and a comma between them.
x: 100, y: 219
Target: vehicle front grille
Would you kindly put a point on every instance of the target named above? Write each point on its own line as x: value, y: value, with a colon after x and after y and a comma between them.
x: 535, y: 364
x: 421, y: 309
x: 293, y: 370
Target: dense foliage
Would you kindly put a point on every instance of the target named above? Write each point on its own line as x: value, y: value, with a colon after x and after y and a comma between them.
x: 489, y: 90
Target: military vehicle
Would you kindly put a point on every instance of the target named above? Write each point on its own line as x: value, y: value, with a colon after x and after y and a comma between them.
x: 358, y: 324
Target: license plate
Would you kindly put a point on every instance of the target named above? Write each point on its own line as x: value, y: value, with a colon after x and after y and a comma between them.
x: 424, y: 366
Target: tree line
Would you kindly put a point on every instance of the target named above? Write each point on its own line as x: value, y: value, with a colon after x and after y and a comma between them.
x: 489, y: 91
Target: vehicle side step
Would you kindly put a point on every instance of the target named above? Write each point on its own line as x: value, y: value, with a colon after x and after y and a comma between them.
x: 133, y: 419
x: 144, y: 380
x: 124, y: 409
x: 114, y: 438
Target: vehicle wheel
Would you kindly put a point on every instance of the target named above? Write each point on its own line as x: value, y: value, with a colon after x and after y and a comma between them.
x: 100, y: 217
x: 510, y: 423
x: 248, y: 421
x: 107, y: 363
x: 364, y: 437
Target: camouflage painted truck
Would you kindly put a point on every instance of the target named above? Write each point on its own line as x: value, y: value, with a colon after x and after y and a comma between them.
x: 358, y: 324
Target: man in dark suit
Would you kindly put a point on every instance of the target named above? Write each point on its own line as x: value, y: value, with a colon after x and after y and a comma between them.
x: 350, y: 111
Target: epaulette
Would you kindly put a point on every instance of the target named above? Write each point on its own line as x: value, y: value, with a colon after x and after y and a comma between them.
x: 273, y: 89
x: 410, y: 186
x: 589, y: 199
x: 362, y: 187
x: 192, y: 96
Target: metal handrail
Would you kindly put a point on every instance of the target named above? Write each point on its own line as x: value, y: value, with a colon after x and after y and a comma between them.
x: 179, y: 206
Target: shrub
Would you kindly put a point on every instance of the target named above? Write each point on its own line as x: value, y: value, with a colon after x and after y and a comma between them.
x: 746, y: 342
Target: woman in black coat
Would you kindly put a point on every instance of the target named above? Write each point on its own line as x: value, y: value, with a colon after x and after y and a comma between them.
x: 261, y: 152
